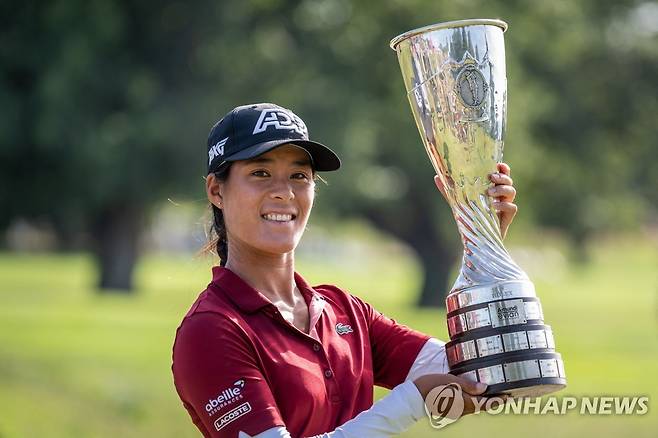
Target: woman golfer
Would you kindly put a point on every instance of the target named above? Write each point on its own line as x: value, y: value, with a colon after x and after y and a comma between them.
x: 261, y: 353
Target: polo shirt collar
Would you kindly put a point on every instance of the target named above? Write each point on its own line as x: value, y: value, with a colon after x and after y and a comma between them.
x: 248, y: 299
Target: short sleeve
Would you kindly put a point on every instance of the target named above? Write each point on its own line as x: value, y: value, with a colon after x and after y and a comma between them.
x: 218, y: 378
x: 394, y: 347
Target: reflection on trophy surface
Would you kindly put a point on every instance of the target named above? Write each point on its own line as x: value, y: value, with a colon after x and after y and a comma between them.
x: 454, y: 74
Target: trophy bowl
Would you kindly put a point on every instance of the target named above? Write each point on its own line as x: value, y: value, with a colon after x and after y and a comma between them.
x: 454, y: 74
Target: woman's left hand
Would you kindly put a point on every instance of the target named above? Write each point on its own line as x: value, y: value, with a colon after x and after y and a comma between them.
x: 503, y: 193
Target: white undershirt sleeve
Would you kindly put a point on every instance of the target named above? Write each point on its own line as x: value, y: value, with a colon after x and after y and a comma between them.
x: 431, y: 359
x: 392, y: 414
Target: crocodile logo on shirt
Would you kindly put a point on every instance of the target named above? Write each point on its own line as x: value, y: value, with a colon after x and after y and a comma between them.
x: 343, y: 329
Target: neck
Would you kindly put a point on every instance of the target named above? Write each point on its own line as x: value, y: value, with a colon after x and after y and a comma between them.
x: 270, y: 274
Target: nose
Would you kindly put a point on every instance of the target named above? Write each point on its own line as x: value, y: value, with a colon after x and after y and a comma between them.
x: 281, y: 189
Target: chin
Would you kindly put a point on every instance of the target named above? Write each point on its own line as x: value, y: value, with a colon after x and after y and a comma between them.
x: 279, y: 247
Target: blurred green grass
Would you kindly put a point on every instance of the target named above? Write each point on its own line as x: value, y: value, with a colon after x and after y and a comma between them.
x: 74, y: 363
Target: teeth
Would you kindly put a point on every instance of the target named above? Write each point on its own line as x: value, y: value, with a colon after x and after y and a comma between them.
x: 278, y: 217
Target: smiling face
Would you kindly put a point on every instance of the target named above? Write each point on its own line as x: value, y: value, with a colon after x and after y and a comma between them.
x: 266, y: 200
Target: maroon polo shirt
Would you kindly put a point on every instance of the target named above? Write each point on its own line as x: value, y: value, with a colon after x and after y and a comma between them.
x: 238, y: 365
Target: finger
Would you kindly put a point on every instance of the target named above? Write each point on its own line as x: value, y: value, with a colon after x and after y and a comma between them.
x: 471, y: 403
x: 504, y: 168
x: 505, y: 207
x: 470, y: 386
x: 502, y: 193
x: 506, y: 212
x: 501, y: 179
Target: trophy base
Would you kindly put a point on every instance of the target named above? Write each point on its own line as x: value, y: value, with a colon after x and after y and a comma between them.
x: 529, y: 388
x: 520, y: 374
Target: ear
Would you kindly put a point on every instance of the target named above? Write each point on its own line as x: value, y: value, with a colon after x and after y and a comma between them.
x: 214, y: 189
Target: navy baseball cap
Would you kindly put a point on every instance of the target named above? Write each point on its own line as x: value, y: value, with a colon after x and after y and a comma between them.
x: 251, y: 130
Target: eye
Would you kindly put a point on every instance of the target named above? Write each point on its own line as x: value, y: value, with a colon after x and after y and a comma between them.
x: 259, y: 173
x: 300, y: 175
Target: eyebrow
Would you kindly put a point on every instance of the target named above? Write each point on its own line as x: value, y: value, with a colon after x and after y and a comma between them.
x: 304, y: 162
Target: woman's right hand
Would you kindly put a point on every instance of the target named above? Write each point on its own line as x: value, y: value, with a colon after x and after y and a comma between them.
x: 471, y: 391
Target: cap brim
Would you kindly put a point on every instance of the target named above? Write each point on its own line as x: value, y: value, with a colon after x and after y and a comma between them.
x: 323, y: 159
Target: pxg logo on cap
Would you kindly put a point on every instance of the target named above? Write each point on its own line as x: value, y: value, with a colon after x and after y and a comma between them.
x: 216, y: 150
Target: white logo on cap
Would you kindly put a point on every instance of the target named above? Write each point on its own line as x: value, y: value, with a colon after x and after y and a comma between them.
x: 216, y: 150
x: 279, y: 119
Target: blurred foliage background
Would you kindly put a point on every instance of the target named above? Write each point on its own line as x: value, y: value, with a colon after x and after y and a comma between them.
x: 106, y: 109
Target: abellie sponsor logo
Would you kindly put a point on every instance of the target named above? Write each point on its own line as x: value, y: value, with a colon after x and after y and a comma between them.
x: 228, y: 396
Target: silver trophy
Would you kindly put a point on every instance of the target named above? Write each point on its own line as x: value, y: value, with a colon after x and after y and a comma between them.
x: 454, y: 74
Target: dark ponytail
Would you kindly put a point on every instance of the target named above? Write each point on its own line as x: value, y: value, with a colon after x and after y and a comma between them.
x: 217, y: 239
x: 219, y: 228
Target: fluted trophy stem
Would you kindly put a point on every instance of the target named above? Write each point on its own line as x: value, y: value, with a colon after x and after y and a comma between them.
x: 485, y: 258
x: 456, y: 83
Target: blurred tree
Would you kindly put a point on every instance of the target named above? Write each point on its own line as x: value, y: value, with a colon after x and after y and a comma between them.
x: 99, y: 122
x: 583, y: 82
x: 111, y: 102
